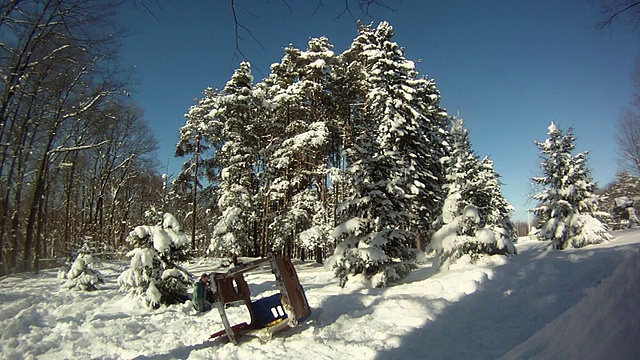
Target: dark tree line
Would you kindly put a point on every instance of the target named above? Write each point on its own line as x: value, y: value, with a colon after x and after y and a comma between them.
x: 74, y: 150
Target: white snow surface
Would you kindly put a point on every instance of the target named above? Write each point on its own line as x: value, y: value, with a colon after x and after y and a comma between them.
x: 542, y: 304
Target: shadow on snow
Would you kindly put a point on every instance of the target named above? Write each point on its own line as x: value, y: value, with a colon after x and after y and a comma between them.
x: 521, y: 298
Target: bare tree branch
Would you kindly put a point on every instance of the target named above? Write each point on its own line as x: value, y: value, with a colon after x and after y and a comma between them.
x: 287, y: 5
x: 237, y: 27
x: 363, y: 5
x: 631, y: 7
x: 346, y: 10
x: 628, y: 131
x: 148, y: 10
x: 78, y: 148
x: 318, y: 6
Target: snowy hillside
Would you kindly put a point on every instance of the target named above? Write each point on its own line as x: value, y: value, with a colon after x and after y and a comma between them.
x: 582, y: 303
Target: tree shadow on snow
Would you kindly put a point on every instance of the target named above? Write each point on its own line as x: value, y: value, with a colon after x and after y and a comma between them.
x: 335, y: 306
x: 521, y: 298
x: 178, y: 353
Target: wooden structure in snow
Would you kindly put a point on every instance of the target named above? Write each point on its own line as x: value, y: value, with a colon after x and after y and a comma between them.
x: 268, y: 315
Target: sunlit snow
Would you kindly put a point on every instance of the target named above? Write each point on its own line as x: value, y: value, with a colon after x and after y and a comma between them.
x: 572, y: 304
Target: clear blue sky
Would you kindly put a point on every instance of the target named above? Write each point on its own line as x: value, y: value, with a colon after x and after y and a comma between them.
x: 507, y: 67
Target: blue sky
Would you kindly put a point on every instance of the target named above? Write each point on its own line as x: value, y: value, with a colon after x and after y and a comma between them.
x: 507, y: 67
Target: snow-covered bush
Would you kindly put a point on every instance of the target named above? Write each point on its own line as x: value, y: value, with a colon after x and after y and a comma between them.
x: 369, y: 256
x: 154, y: 275
x: 463, y: 236
x: 83, y: 275
x: 577, y: 230
x: 621, y: 199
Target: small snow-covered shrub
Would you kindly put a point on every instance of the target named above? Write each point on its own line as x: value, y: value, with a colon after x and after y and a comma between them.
x: 83, y: 275
x: 351, y: 258
x: 463, y: 237
x: 358, y: 256
x: 154, y: 275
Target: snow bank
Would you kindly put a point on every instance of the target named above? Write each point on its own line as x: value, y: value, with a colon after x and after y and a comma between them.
x: 603, y: 325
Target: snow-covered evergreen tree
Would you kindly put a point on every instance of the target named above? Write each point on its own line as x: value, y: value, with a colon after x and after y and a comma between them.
x: 463, y: 236
x: 475, y: 215
x: 462, y: 176
x: 83, y: 273
x: 154, y: 275
x: 200, y: 138
x: 494, y: 208
x: 298, y: 166
x: 396, y: 147
x: 237, y: 110
x: 568, y: 211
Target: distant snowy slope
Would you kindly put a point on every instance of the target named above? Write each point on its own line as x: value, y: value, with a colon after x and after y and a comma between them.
x: 603, y: 325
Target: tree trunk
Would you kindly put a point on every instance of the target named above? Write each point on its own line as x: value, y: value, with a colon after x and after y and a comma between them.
x: 195, y: 195
x: 67, y: 211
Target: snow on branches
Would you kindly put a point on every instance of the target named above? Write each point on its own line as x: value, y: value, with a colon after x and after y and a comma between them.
x: 153, y: 275
x: 475, y: 215
x: 463, y: 236
x: 568, y: 208
x: 83, y: 273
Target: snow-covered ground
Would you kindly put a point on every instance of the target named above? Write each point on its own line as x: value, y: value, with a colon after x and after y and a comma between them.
x: 572, y: 304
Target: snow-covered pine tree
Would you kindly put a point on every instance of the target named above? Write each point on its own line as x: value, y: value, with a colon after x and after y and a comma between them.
x: 433, y: 139
x: 475, y: 215
x: 83, y: 273
x: 277, y: 228
x: 311, y: 217
x: 347, y: 84
x: 461, y: 175
x: 317, y: 145
x: 494, y: 208
x: 200, y: 134
x: 464, y: 237
x: 390, y: 161
x: 154, y: 275
x: 298, y: 164
x: 238, y: 108
x: 568, y: 206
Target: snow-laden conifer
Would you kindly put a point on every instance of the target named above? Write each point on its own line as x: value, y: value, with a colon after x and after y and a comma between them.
x: 395, y: 148
x: 154, y: 275
x: 568, y: 211
x: 83, y: 273
x: 200, y: 139
x: 462, y: 175
x: 238, y: 108
x: 493, y: 206
x: 298, y: 166
x: 475, y: 215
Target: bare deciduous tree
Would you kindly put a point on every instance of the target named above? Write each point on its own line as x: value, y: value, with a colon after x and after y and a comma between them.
x: 72, y: 143
x: 628, y: 131
x: 628, y: 138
